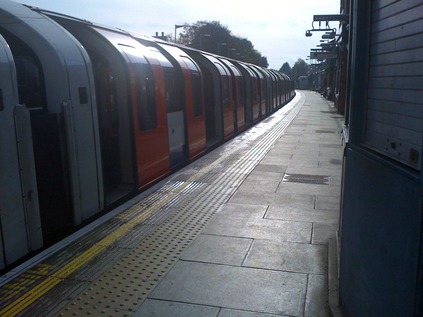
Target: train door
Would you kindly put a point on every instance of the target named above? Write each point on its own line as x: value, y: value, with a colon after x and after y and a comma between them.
x: 227, y: 97
x: 238, y: 94
x: 248, y: 76
x: 212, y: 98
x: 261, y: 86
x: 175, y: 119
x: 115, y: 137
x: 55, y: 86
x: 112, y: 90
x: 255, y: 94
x: 20, y: 224
x: 173, y: 92
x: 54, y: 195
x: 150, y: 113
x: 185, y: 92
x: 274, y: 90
x: 195, y: 107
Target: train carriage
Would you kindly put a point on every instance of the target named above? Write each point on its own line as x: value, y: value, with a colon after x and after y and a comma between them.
x: 93, y: 115
x: 282, y: 89
x: 238, y: 91
x: 262, y: 89
x: 55, y: 84
x: 190, y: 99
x: 252, y: 93
x: 219, y: 103
x: 131, y: 84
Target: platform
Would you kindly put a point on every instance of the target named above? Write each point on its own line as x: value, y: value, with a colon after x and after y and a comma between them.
x: 241, y: 232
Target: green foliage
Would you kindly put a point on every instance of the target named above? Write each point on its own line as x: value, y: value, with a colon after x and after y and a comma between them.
x: 299, y: 69
x: 218, y: 39
x: 286, y: 69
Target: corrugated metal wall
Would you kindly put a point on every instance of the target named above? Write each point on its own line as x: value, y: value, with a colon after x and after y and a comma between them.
x: 394, y: 124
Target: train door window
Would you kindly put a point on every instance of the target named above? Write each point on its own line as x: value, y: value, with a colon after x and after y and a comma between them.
x: 106, y: 87
x: 147, y: 114
x: 143, y: 79
x: 173, y: 91
x: 225, y: 86
x: 30, y: 76
x: 241, y: 89
x: 196, y: 93
x: 196, y: 87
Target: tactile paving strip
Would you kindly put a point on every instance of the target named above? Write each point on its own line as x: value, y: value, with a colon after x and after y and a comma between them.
x: 137, y: 258
x: 131, y: 279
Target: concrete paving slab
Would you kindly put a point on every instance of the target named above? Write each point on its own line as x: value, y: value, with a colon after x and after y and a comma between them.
x: 218, y: 250
x: 312, y: 189
x: 299, y: 168
x: 303, y: 163
x: 316, y: 301
x: 290, y: 138
x: 244, y: 211
x: 333, y: 153
x: 277, y: 159
x: 241, y: 313
x: 323, y: 231
x: 239, y: 288
x: 330, y: 163
x: 251, y: 198
x: 268, y: 175
x: 259, y: 169
x: 266, y: 185
x: 327, y: 202
x: 291, y: 213
x: 247, y: 225
x: 280, y: 147
x: 159, y: 308
x: 287, y: 256
x: 307, y: 150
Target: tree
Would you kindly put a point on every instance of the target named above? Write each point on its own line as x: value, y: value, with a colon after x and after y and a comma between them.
x: 218, y: 39
x: 299, y: 69
x: 286, y: 69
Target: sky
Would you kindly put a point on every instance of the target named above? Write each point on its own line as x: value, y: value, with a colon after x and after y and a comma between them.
x: 276, y: 28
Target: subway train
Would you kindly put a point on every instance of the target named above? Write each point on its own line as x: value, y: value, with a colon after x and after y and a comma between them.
x: 92, y: 115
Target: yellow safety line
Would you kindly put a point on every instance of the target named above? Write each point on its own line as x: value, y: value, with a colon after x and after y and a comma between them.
x: 46, y: 285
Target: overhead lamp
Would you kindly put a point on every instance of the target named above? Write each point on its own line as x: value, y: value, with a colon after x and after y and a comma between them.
x: 308, y: 33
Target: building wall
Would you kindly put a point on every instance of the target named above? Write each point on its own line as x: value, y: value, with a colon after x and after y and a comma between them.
x: 381, y: 227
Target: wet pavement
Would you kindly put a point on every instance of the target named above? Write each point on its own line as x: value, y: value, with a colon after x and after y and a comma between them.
x: 241, y: 232
x: 265, y: 252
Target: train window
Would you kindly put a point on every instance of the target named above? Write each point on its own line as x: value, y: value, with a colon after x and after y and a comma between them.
x: 196, y: 93
x: 31, y: 86
x: 196, y: 86
x: 241, y: 88
x: 173, y: 91
x: 225, y: 85
x: 143, y: 80
x: 147, y: 114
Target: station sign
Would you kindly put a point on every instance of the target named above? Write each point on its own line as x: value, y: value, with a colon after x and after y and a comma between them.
x: 331, y: 17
